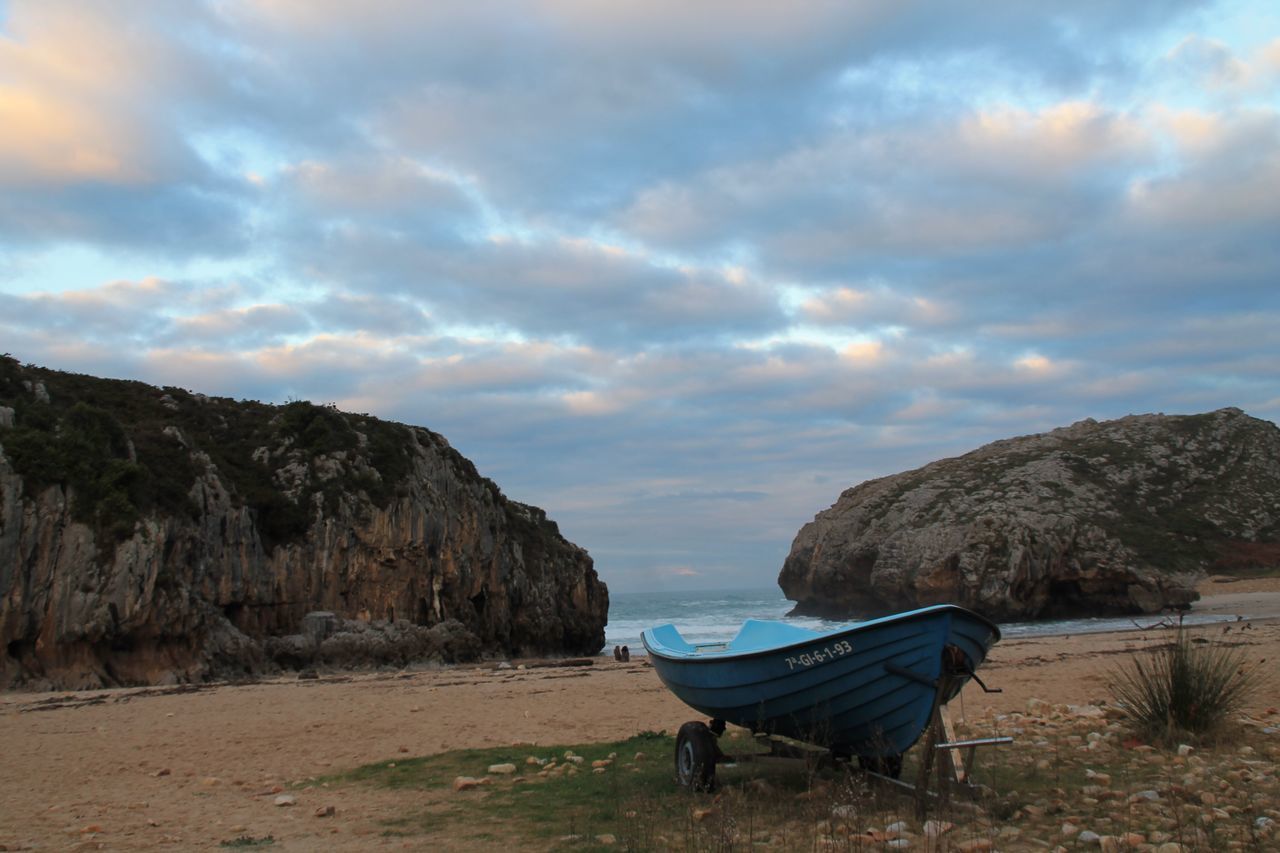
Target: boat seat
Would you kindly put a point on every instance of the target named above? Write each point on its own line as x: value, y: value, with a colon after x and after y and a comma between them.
x: 668, y: 637
x: 767, y: 634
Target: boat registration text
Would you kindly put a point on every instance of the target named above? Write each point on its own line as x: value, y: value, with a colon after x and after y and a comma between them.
x: 831, y: 652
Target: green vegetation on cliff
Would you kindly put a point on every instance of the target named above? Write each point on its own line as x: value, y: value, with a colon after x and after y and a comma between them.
x: 125, y: 449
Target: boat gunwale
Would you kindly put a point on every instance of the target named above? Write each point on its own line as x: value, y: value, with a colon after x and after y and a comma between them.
x: 839, y: 633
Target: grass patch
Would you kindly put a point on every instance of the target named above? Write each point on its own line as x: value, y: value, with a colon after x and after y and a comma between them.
x: 1184, y: 689
x: 573, y: 801
x: 1081, y: 771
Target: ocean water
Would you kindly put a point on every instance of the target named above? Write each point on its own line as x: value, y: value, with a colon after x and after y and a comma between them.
x: 716, y: 615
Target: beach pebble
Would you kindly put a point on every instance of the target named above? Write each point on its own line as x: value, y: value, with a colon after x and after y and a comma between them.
x: 897, y: 828
x: 576, y: 759
x: 533, y: 759
x: 1185, y: 749
x: 466, y: 783
x: 845, y: 812
x: 502, y: 769
x: 1171, y: 847
x: 898, y: 844
x: 1069, y: 829
x: 1088, y: 836
x: 325, y: 811
x: 607, y: 839
x: 936, y: 828
x: 639, y: 756
x: 977, y: 845
x: 598, y: 770
x: 286, y: 800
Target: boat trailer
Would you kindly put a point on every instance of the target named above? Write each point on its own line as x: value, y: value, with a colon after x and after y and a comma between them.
x: 951, y: 760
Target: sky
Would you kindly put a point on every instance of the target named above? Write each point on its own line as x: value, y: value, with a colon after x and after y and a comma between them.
x: 678, y: 273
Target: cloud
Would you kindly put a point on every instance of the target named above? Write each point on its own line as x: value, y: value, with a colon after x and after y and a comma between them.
x: 1227, y: 165
x: 1213, y: 65
x: 677, y: 272
x: 980, y: 181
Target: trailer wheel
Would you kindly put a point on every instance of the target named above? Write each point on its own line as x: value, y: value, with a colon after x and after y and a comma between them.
x: 696, y: 757
x: 885, y: 765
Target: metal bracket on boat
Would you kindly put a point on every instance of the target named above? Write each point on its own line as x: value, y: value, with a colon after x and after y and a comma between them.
x: 985, y: 688
x: 894, y: 669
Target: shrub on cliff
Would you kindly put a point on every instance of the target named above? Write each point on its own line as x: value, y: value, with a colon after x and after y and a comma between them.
x: 124, y: 450
x: 1189, y: 687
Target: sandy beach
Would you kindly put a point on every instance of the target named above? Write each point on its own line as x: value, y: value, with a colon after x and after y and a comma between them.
x: 189, y: 767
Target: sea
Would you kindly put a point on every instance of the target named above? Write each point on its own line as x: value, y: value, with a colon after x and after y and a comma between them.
x: 709, y: 616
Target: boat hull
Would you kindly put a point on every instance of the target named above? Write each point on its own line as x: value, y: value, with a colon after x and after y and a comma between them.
x: 866, y: 690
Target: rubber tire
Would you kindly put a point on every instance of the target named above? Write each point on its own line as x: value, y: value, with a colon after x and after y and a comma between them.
x: 696, y: 753
x: 885, y: 765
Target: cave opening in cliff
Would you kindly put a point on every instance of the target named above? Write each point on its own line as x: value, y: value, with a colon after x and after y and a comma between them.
x: 479, y: 600
x: 232, y: 612
x: 424, y: 612
x: 1065, y: 599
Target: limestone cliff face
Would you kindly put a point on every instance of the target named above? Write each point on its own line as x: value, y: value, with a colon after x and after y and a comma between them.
x: 154, y: 535
x: 1096, y: 518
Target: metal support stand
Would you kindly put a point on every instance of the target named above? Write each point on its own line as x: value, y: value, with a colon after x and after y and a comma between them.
x: 953, y: 769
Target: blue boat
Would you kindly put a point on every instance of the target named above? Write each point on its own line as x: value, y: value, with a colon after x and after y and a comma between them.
x: 867, y: 690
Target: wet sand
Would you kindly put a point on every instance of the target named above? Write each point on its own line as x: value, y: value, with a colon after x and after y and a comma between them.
x: 189, y: 767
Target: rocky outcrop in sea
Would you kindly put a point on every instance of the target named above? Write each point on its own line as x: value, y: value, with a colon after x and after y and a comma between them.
x: 1119, y: 517
x: 153, y: 535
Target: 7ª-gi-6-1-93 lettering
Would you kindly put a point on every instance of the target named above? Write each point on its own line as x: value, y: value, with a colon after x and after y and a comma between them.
x: 822, y: 655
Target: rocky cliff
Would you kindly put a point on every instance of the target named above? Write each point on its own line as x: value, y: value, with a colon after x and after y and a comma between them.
x: 1096, y: 518
x: 151, y: 535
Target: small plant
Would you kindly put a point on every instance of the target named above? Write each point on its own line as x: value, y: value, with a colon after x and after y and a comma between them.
x: 1184, y: 688
x: 249, y: 841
